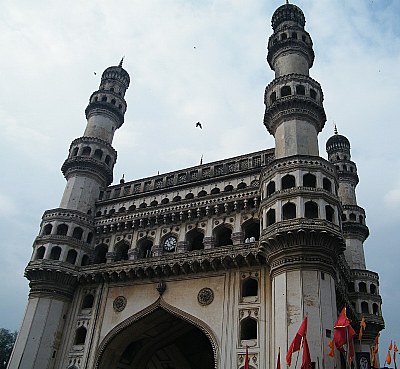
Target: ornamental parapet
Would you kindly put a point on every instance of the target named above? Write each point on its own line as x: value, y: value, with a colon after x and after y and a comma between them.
x: 347, y: 176
x: 362, y: 274
x: 301, y: 224
x: 201, y: 175
x: 106, y: 108
x: 294, y: 107
x: 309, y: 192
x: 68, y: 215
x: 88, y: 165
x: 355, y: 230
x: 199, y: 261
x: 92, y: 140
x: 365, y: 296
x: 62, y: 240
x: 278, y: 46
x: 186, y: 210
x: 308, y: 163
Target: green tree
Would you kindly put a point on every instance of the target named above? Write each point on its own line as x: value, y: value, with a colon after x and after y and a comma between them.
x: 7, y: 339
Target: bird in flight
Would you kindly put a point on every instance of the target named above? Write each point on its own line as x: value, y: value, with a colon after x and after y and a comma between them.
x: 198, y: 124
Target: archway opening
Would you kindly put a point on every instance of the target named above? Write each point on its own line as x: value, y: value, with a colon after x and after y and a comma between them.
x: 159, y: 340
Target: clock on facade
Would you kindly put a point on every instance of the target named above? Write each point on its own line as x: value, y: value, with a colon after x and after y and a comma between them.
x: 169, y: 243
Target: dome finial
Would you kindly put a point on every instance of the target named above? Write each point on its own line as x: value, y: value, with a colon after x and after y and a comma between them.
x: 122, y: 180
x: 335, y: 131
x: 287, y: 2
x: 122, y: 60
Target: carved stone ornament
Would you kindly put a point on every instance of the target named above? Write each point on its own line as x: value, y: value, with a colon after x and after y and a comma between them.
x: 205, y: 296
x: 119, y: 303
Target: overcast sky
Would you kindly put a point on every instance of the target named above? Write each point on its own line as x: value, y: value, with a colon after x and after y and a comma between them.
x: 189, y: 61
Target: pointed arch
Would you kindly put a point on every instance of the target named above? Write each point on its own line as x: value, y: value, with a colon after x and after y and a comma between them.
x: 159, y: 304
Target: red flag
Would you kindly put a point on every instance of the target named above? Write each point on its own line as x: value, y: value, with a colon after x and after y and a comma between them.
x: 344, y: 333
x: 306, y: 362
x: 296, y: 343
x: 278, y: 362
x: 246, y: 358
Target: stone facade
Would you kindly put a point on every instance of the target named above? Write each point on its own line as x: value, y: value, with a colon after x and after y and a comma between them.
x: 186, y: 269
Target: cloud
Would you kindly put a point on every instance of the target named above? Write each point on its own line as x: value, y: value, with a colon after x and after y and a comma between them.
x: 7, y: 206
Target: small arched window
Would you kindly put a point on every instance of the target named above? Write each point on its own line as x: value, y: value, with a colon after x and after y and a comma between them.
x: 122, y: 209
x: 283, y: 36
x: 98, y: 154
x: 100, y: 254
x: 154, y: 203
x: 249, y: 287
x: 352, y: 217
x: 40, y: 252
x: 372, y: 288
x: 202, y: 193
x: 71, y: 256
x: 375, y: 309
x: 241, y: 185
x: 85, y: 260
x: 286, y: 91
x: 113, y: 101
x: 121, y: 252
x: 80, y: 336
x: 165, y: 200
x: 313, y: 94
x: 228, y: 188
x: 132, y: 208
x: 344, y: 217
x: 86, y: 151
x: 104, y: 98
x: 270, y: 188
x: 77, y: 233
x: 364, y: 307
x: 300, y: 90
x: 271, y: 217
x: 75, y: 152
x: 189, y: 196
x: 47, y: 229
x: 329, y: 212
x: 288, y: 181
x: 223, y: 236
x: 215, y: 190
x: 62, y: 230
x: 107, y: 159
x: 88, y: 301
x: 272, y: 97
x: 248, y: 329
x: 55, y: 253
x: 251, y: 230
x: 309, y: 180
x: 361, y: 219
x: 362, y: 287
x: 294, y: 35
x: 177, y: 198
x: 311, y: 210
x: 142, y: 205
x: 144, y: 248
x: 289, y: 211
x: 327, y: 184
x: 195, y: 238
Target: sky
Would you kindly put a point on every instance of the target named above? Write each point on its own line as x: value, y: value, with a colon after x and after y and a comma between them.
x: 189, y: 61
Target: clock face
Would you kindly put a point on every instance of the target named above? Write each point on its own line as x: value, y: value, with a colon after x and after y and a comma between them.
x: 169, y: 243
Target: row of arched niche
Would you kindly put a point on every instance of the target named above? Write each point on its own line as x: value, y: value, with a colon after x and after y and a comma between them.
x: 175, y: 199
x: 144, y: 247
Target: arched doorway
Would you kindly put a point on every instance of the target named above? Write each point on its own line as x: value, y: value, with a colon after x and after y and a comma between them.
x: 158, y: 340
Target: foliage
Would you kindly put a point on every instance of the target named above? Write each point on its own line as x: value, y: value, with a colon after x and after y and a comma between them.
x: 7, y: 339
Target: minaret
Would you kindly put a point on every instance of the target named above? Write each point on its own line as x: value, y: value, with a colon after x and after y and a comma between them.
x: 353, y: 217
x: 301, y: 236
x: 363, y: 289
x: 66, y: 233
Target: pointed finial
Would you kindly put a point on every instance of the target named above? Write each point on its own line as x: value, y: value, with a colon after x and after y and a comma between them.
x: 335, y: 131
x: 120, y: 63
x: 201, y: 159
x: 287, y: 2
x: 122, y: 180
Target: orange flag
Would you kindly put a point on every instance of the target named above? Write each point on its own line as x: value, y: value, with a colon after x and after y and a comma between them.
x: 388, y: 356
x: 296, y: 343
x: 362, y: 328
x: 332, y: 349
x: 246, y: 358
x: 395, y: 349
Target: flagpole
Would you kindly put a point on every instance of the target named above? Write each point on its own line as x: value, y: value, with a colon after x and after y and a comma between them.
x: 348, y: 348
x: 297, y: 359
